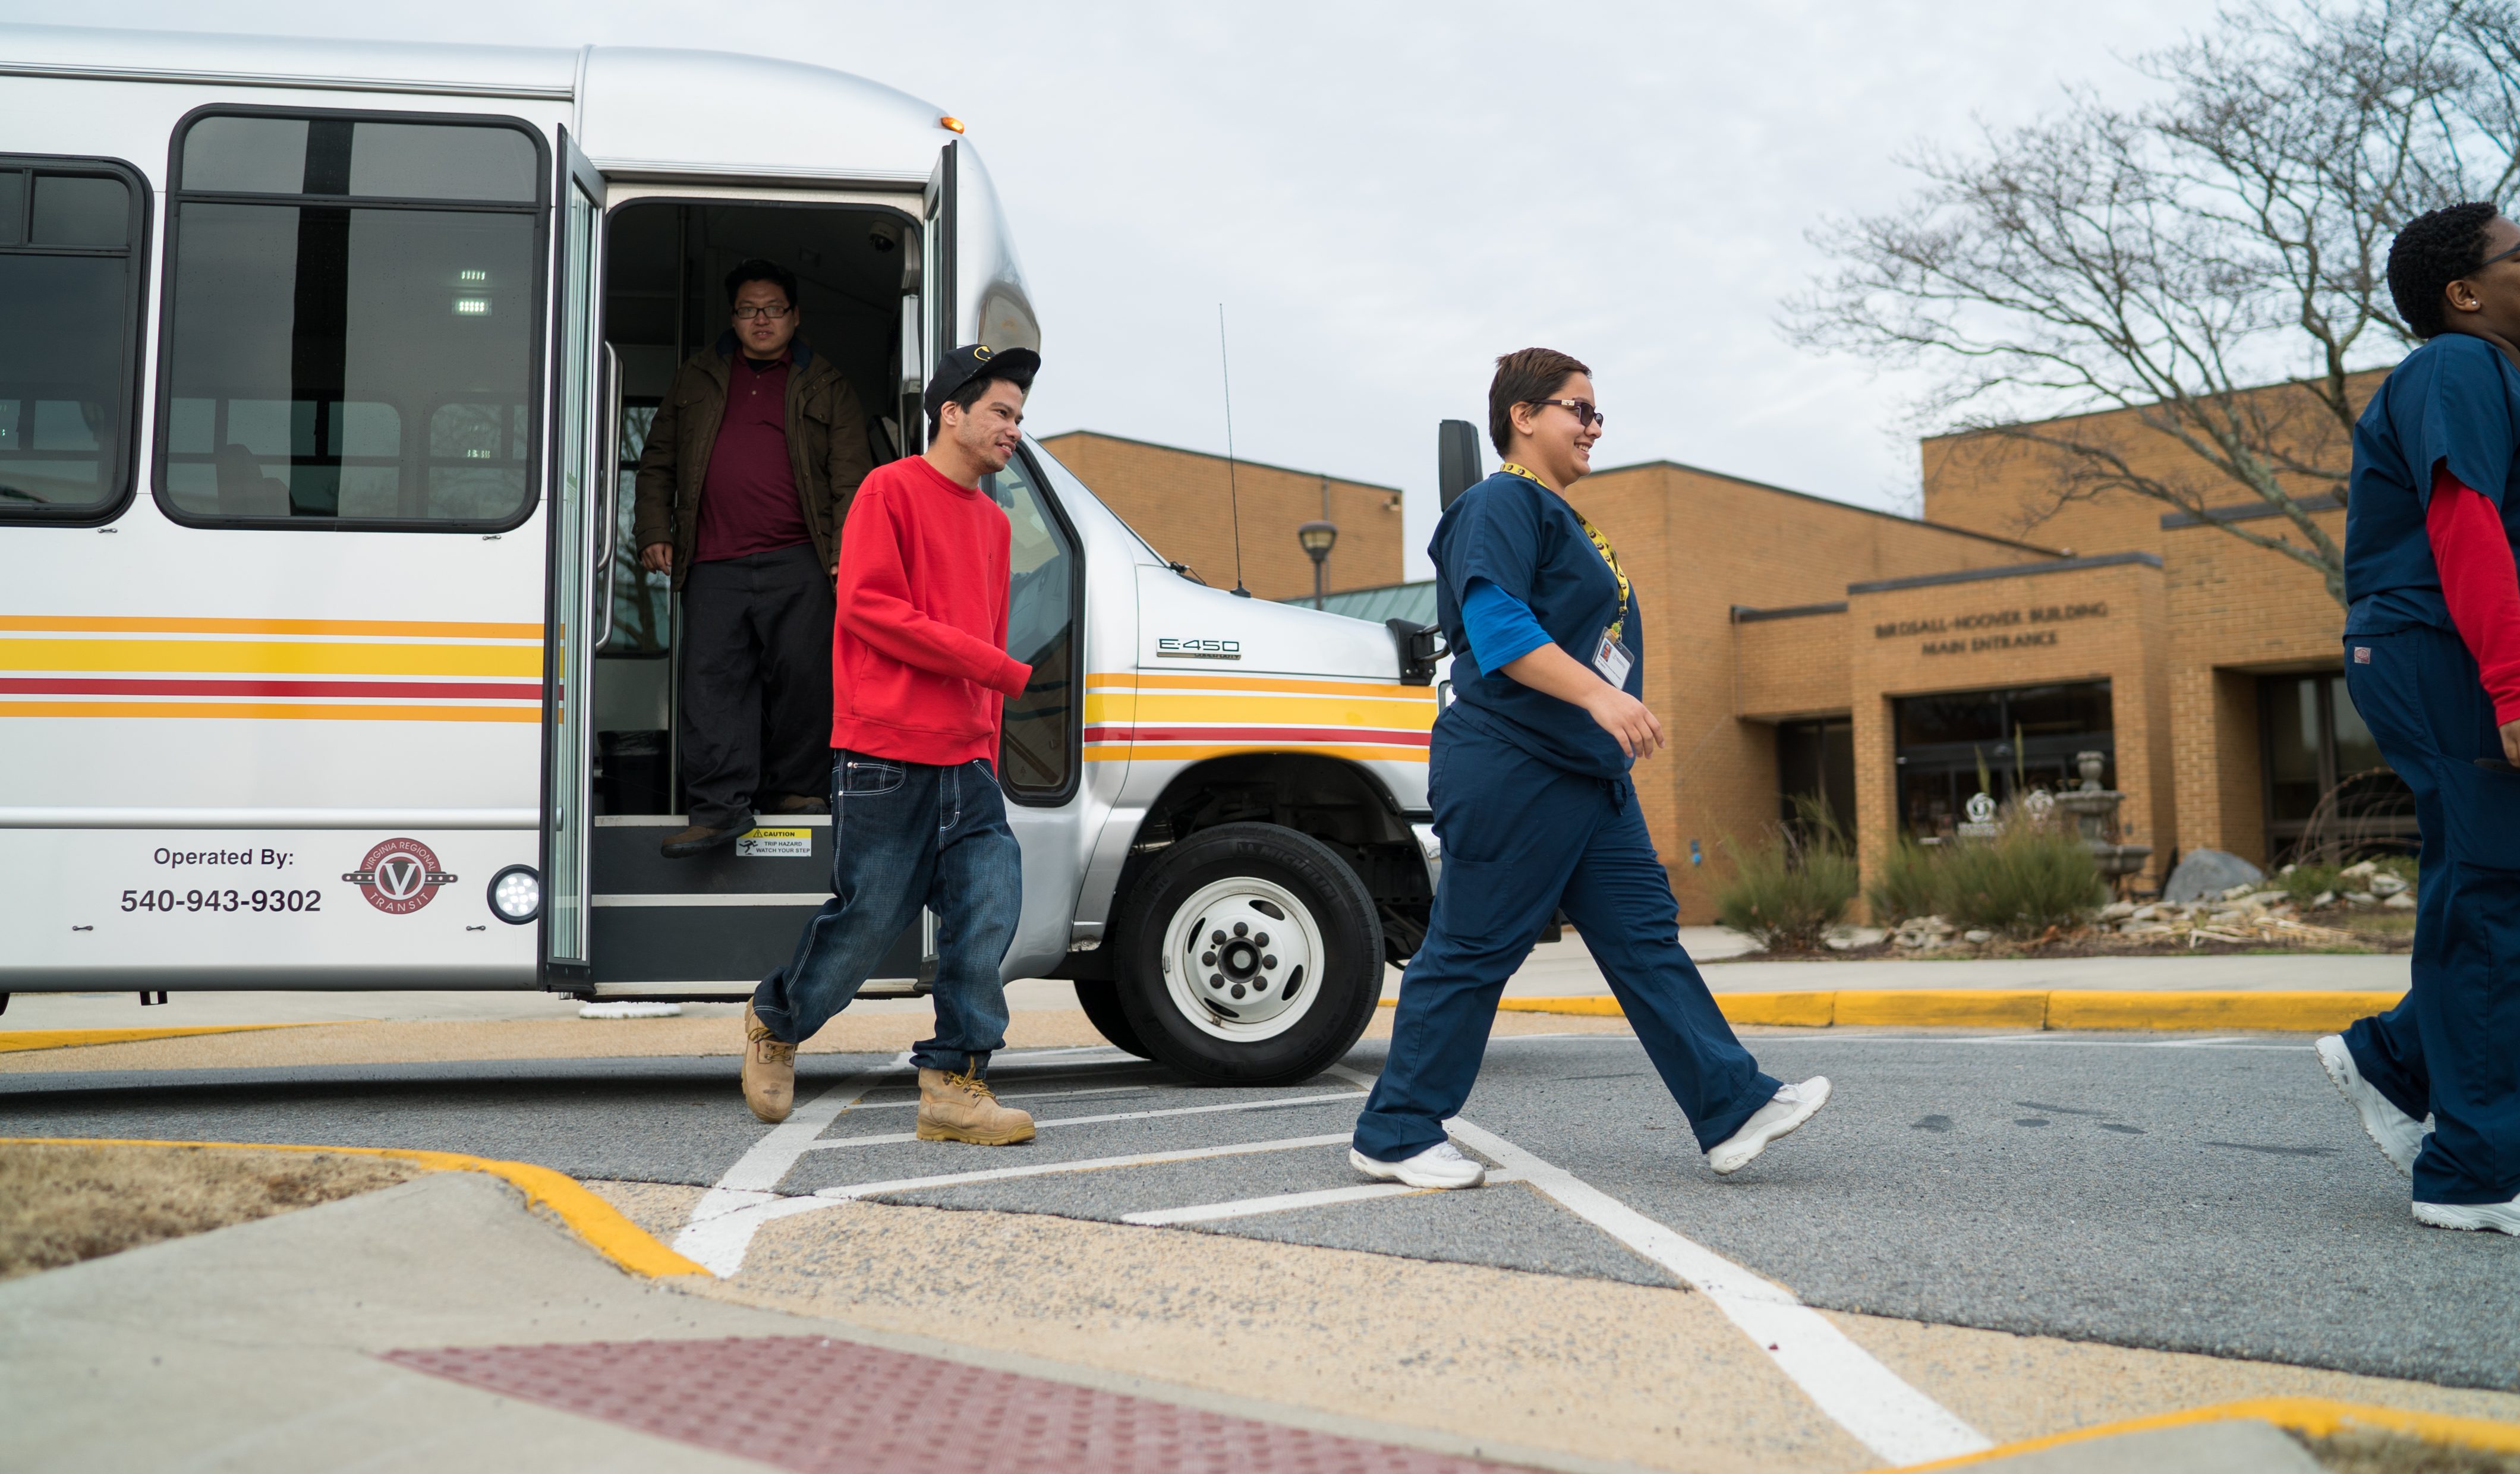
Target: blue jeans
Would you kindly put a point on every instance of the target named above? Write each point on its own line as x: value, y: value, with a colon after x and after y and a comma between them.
x: 906, y: 834
x: 1522, y: 838
x: 2452, y: 1046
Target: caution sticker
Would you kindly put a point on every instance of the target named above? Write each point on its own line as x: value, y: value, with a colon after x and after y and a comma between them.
x: 777, y: 844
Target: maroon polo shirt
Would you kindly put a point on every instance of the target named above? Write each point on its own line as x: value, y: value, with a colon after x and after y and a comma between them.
x: 749, y: 498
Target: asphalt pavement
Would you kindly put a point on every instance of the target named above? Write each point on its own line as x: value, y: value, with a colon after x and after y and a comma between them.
x: 2163, y: 1193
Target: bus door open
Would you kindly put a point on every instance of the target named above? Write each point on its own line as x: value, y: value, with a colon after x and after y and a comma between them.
x: 574, y: 508
x: 713, y: 925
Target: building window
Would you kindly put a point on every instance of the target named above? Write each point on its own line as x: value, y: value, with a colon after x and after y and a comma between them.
x: 2326, y: 785
x: 2009, y: 742
x: 69, y: 294
x: 1816, y: 763
x: 354, y: 304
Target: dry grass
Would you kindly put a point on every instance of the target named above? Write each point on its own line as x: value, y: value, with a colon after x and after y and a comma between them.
x: 2382, y: 1453
x: 60, y: 1204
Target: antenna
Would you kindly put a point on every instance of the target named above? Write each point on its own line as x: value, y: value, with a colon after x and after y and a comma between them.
x: 1232, y: 493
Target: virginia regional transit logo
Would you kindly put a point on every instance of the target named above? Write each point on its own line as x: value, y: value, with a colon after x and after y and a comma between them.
x: 399, y: 877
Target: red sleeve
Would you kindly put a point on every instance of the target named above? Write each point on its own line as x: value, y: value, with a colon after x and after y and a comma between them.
x: 873, y: 588
x: 2478, y: 584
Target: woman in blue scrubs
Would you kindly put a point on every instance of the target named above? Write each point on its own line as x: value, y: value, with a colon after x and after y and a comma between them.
x: 2432, y: 661
x: 1529, y: 780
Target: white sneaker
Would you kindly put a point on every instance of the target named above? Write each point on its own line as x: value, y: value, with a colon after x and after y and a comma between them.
x: 2398, y: 1135
x: 1441, y: 1164
x: 1788, y: 1108
x: 2502, y: 1217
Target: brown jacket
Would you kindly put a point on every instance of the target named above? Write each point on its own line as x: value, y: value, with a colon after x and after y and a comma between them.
x: 827, y: 449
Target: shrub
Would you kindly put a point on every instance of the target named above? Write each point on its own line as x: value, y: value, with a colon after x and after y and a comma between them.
x: 2031, y: 878
x: 1910, y: 883
x: 2305, y: 884
x: 1787, y: 892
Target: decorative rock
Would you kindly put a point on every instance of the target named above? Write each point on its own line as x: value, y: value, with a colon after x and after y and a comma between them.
x: 1977, y: 936
x: 2361, y: 898
x: 2225, y: 918
x: 2359, y: 874
x: 2267, y: 897
x: 2324, y: 899
x: 2385, y: 884
x: 2210, y: 872
x: 2402, y: 901
x: 2117, y: 910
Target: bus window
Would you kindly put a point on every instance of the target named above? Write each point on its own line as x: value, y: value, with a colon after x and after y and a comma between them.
x: 69, y: 325
x: 350, y: 339
x: 1037, y: 748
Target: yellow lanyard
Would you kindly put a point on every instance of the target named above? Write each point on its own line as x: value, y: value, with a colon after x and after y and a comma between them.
x: 1600, y: 545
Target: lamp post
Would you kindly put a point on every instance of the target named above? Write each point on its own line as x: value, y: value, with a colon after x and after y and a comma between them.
x: 1317, y: 538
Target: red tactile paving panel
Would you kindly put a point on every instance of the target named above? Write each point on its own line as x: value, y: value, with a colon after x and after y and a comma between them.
x: 828, y: 1407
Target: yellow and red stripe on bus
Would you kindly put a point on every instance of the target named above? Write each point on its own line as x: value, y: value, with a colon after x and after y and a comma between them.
x: 61, y: 665
x: 1186, y: 716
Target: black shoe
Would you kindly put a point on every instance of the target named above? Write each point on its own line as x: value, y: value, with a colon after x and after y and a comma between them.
x: 699, y: 840
x: 798, y: 803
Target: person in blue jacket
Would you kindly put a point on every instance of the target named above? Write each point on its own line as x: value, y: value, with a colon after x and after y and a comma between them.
x: 2432, y: 661
x: 1528, y: 774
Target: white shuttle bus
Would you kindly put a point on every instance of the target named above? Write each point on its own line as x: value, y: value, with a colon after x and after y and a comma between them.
x: 324, y: 661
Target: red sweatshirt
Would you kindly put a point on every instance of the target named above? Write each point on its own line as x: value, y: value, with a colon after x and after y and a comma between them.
x: 2478, y: 584
x: 919, y: 660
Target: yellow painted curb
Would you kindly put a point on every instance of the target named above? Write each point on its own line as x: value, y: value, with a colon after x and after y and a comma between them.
x: 2313, y: 1417
x: 68, y: 1039
x: 593, y: 1218
x: 2287, y: 1012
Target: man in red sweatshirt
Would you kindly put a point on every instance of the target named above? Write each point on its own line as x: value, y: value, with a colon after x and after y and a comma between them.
x: 920, y: 675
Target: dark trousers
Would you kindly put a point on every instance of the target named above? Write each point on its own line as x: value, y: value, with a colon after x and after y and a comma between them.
x: 756, y: 652
x: 1522, y: 838
x: 2453, y: 1047
x: 906, y: 834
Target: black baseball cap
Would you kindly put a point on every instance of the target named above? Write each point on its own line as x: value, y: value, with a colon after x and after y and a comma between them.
x: 977, y: 361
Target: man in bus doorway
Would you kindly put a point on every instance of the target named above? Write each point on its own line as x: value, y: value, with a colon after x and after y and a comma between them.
x: 920, y: 676
x: 746, y: 480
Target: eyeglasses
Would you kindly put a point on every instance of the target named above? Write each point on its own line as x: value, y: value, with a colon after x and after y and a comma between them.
x: 1585, y: 415
x: 2498, y: 256
x: 762, y: 314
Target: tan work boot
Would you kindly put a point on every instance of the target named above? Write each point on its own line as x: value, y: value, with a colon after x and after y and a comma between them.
x: 769, y: 1071
x: 962, y: 1108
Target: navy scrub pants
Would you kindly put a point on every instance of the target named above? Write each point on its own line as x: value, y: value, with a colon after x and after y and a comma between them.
x: 2453, y: 1047
x: 1522, y: 838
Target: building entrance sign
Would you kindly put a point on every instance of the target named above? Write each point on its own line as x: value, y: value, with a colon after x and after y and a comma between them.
x: 1982, y: 630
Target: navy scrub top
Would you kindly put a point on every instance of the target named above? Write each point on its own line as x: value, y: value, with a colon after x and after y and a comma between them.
x: 2456, y: 399
x: 1522, y: 537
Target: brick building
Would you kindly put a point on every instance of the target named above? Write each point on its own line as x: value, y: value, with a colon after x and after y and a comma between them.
x: 1180, y: 500
x: 1796, y: 645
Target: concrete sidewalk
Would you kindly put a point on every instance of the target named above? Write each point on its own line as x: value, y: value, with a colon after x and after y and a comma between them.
x: 439, y: 1324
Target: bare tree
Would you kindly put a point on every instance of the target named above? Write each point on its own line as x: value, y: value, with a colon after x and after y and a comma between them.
x: 2213, y: 262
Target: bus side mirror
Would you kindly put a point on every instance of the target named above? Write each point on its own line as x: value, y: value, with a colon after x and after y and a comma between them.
x: 1421, y: 647
x: 1457, y: 461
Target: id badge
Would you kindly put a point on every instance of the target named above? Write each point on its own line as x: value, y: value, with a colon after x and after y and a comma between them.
x: 1613, y: 661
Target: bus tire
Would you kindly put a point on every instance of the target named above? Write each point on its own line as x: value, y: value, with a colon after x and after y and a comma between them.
x: 1276, y: 957
x: 1101, y: 1001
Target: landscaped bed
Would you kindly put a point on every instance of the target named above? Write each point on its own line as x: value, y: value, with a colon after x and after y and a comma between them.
x: 63, y: 1203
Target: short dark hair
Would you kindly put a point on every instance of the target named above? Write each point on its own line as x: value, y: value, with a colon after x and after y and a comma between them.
x: 1525, y: 376
x: 969, y: 393
x: 2435, y: 248
x: 756, y: 269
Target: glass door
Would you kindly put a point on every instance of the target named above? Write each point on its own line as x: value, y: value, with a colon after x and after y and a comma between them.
x: 580, y: 484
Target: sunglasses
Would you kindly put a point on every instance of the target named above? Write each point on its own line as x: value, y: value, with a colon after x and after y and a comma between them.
x: 1585, y: 415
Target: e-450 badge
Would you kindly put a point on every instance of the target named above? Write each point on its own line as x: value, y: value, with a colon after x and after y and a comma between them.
x: 1173, y: 647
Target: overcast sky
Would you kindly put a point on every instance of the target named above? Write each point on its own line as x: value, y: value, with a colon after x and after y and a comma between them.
x: 1386, y: 195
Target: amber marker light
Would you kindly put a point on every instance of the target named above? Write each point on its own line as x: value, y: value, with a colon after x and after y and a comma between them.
x: 953, y: 123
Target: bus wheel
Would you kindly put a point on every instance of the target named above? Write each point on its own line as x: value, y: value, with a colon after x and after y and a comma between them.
x: 1102, y: 1004
x: 1250, y: 955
